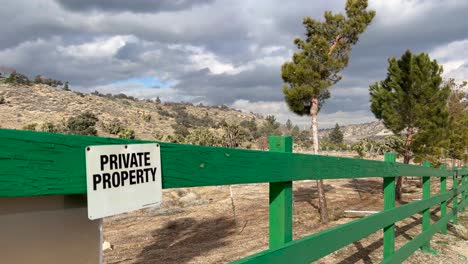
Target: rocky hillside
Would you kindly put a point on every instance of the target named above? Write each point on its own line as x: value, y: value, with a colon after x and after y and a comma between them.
x: 25, y: 105
x: 355, y: 132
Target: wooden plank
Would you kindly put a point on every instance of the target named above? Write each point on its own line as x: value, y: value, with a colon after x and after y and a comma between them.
x: 389, y: 203
x: 36, y: 163
x: 455, y: 199
x: 443, y: 205
x: 405, y: 251
x: 316, y: 246
x: 281, y: 200
x: 426, y: 218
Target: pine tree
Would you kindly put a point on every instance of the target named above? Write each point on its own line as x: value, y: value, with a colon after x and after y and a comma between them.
x: 413, y: 100
x: 458, y: 121
x: 336, y: 136
x: 316, y: 66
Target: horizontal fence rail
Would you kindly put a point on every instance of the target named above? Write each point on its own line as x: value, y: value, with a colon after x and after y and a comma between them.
x: 33, y: 163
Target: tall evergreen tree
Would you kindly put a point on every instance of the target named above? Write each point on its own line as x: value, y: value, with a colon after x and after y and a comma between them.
x: 336, y: 136
x: 316, y: 66
x: 458, y: 121
x: 413, y: 100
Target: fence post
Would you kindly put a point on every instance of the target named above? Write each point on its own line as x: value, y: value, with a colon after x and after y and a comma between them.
x: 455, y: 198
x: 463, y: 183
x: 443, y: 205
x: 426, y: 218
x: 281, y: 201
x: 389, y: 203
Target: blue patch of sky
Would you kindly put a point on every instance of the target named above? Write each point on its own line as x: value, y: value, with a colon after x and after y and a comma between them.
x: 150, y: 82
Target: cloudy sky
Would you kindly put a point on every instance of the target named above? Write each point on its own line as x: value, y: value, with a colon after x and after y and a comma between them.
x: 219, y: 52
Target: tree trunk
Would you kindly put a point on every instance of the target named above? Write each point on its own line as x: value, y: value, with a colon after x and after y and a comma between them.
x: 321, y: 191
x: 406, y: 160
x: 398, y: 186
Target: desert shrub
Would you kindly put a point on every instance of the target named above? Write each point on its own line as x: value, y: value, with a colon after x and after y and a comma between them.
x: 180, y: 130
x: 203, y: 137
x: 147, y: 117
x: 83, y: 124
x: 48, y: 127
x: 17, y: 78
x: 114, y: 127
x: 127, y: 133
x: 233, y: 135
x: 163, y: 112
x: 189, y: 120
x: 30, y: 126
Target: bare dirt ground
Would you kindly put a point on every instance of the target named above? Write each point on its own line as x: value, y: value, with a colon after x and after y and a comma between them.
x: 198, y: 225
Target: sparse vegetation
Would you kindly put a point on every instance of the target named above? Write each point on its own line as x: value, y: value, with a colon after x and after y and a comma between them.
x: 49, y: 127
x: 127, y: 133
x: 115, y: 127
x: 30, y: 126
x: 17, y: 79
x: 83, y: 124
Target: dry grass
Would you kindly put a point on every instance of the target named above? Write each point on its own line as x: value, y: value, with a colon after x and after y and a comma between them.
x: 205, y: 231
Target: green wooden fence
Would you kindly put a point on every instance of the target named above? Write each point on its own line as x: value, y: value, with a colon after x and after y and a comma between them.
x: 33, y: 163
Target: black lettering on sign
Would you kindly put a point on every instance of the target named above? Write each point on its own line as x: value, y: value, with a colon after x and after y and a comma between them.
x: 106, y: 180
x: 140, y: 160
x: 115, y: 179
x: 147, y: 159
x: 132, y: 177
x: 104, y: 160
x: 96, y: 179
x: 124, y: 177
x: 113, y: 161
x: 153, y: 172
x: 125, y: 159
x: 134, y: 162
x: 139, y: 176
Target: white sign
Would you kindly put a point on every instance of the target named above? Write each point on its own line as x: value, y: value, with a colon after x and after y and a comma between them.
x: 122, y: 178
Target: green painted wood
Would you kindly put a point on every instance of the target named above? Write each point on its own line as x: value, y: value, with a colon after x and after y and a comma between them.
x: 426, y: 218
x: 455, y: 199
x: 405, y: 251
x: 443, y: 205
x: 464, y: 196
x: 389, y: 203
x: 464, y: 203
x: 281, y: 200
x: 316, y: 246
x: 36, y: 163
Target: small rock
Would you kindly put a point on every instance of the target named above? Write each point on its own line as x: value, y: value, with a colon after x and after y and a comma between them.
x: 107, y: 246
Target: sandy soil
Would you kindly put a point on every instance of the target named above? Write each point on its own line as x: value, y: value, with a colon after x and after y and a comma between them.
x: 198, y: 225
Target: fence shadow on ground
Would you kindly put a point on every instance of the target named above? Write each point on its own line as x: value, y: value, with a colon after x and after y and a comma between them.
x: 303, y: 194
x: 372, y: 186
x: 364, y: 252
x: 181, y: 240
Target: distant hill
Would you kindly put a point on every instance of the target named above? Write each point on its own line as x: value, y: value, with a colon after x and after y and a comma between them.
x: 41, y: 103
x: 355, y: 132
